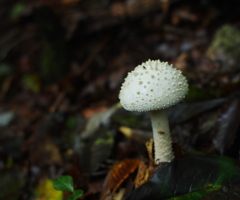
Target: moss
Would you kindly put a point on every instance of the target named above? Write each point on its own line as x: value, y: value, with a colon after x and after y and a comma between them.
x: 227, y: 40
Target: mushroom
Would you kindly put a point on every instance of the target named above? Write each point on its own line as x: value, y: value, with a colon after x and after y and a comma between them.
x: 154, y: 86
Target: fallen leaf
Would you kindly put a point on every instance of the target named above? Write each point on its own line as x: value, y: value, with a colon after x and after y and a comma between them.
x: 101, y: 149
x: 45, y: 190
x: 136, y: 134
x: 175, y: 113
x: 143, y: 174
x: 119, y: 195
x: 227, y: 126
x: 195, y: 175
x: 121, y: 171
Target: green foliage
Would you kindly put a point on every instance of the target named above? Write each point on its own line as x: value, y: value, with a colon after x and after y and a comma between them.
x: 65, y: 183
x: 76, y: 194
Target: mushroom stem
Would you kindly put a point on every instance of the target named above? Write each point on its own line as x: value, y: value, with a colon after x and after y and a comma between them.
x: 161, y: 136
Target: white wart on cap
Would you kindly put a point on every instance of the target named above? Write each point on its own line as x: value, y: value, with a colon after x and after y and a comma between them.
x: 153, y: 85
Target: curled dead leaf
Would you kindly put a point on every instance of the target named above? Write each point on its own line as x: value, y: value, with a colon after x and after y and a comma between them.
x: 121, y: 172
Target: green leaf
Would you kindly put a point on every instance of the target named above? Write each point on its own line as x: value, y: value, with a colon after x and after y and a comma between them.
x: 192, y: 177
x: 76, y: 194
x: 64, y: 183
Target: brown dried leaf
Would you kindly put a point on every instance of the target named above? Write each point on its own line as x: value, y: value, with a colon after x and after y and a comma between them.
x: 90, y: 111
x: 145, y: 171
x: 95, y: 187
x: 143, y: 174
x: 121, y: 171
x: 150, y: 150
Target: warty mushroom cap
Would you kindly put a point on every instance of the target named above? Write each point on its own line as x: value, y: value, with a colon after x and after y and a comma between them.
x: 153, y: 85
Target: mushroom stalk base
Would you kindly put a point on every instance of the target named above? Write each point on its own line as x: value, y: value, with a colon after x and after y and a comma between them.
x: 161, y: 136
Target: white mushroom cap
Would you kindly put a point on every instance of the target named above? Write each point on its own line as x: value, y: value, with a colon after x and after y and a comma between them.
x: 153, y: 85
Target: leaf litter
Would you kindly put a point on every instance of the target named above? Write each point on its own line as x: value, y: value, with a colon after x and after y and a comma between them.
x: 61, y: 62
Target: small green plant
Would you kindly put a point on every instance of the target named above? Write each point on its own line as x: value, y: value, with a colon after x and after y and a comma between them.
x: 65, y: 183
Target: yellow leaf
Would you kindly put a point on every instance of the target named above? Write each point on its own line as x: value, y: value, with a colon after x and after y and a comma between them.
x: 46, y: 191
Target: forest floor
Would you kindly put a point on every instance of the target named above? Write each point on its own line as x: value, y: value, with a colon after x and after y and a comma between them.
x: 62, y: 63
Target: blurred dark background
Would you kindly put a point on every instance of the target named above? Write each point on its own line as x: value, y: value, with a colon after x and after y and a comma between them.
x: 63, y: 61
